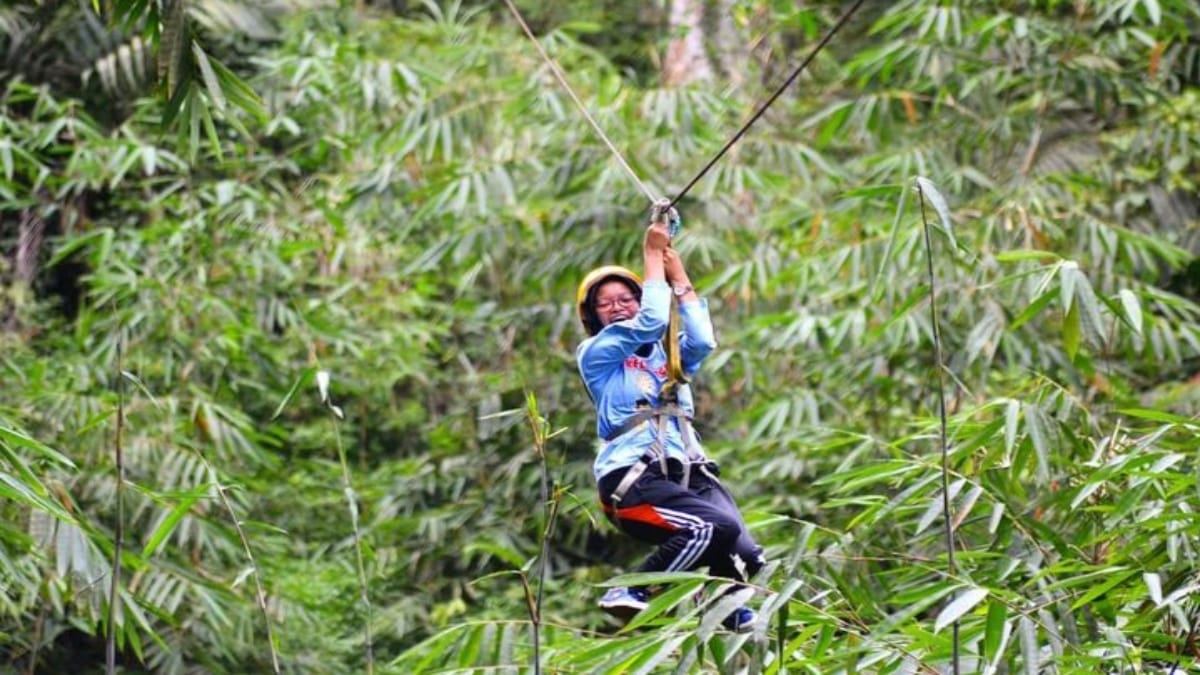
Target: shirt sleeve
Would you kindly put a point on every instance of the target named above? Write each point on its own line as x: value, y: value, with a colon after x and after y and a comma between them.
x: 618, y: 341
x: 698, y: 339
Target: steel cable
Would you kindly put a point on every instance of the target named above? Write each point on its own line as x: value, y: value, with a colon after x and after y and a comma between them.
x: 562, y: 79
x: 762, y: 109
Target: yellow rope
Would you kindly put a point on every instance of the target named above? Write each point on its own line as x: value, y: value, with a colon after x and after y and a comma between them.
x: 675, y: 374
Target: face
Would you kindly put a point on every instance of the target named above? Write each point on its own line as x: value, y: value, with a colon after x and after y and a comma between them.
x: 615, y: 302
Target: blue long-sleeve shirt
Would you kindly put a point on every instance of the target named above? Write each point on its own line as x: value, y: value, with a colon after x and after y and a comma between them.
x: 618, y: 378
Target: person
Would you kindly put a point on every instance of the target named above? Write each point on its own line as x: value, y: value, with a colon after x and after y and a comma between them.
x: 654, y: 481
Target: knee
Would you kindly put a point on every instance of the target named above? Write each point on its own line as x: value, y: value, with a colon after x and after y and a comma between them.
x: 754, y: 560
x: 725, y: 532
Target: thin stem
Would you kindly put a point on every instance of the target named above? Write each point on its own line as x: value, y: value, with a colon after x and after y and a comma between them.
x: 537, y: 425
x: 1194, y: 624
x: 352, y: 503
x: 114, y: 592
x: 37, y: 640
x: 348, y: 489
x: 260, y: 594
x: 938, y: 366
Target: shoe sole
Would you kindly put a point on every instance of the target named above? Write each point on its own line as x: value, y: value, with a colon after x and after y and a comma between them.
x: 622, y: 612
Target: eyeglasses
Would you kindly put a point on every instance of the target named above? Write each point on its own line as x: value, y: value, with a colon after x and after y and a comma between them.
x: 605, y: 305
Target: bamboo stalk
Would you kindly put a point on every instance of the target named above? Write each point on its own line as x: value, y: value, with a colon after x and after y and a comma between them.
x: 352, y: 504
x: 948, y: 525
x: 260, y: 594
x: 550, y: 506
x: 114, y: 591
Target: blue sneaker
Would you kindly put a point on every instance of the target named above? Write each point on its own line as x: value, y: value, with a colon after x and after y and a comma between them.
x: 741, y: 620
x: 624, y: 603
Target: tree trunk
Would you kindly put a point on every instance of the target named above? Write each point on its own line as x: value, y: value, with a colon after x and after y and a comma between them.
x: 728, y: 50
x: 29, y: 246
x: 30, y: 231
x: 686, y: 60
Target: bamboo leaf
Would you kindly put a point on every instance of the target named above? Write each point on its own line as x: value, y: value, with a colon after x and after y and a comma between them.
x: 1155, y: 415
x: 171, y: 519
x: 1154, y: 586
x: 1068, y: 277
x: 930, y: 192
x: 1035, y: 425
x: 1032, y: 310
x: 1012, y: 421
x: 1089, y: 309
x: 962, y: 604
x: 997, y: 622
x: 1027, y: 254
x: 21, y: 440
x: 211, y: 84
x: 18, y: 491
x: 1154, y: 10
x: 935, y: 505
x: 1115, y: 577
x: 1133, y: 309
x: 303, y: 380
x: 1029, y: 646
x: 1086, y: 491
x: 869, y: 191
x: 997, y: 515
x: 968, y: 503
x: 1071, y: 331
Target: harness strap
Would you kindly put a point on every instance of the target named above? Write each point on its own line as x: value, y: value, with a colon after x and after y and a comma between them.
x: 629, y: 425
x: 657, y: 451
x: 657, y: 448
x: 685, y: 428
x: 631, y: 476
x: 645, y: 413
x: 634, y: 473
x: 669, y: 394
x: 663, y: 212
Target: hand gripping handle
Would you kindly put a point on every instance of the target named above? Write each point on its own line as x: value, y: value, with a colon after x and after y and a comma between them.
x: 662, y: 211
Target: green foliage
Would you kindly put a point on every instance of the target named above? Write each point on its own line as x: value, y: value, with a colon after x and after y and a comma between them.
x: 408, y: 206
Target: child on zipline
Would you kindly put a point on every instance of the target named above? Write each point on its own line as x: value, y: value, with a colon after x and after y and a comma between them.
x: 655, y: 482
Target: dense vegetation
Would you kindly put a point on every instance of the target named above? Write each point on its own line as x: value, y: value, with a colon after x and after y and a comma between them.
x: 324, y: 323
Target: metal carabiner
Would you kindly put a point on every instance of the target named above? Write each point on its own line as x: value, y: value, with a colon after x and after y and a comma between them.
x: 663, y: 211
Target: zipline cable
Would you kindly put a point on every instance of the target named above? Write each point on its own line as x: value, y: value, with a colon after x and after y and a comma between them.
x: 562, y: 79
x: 754, y: 118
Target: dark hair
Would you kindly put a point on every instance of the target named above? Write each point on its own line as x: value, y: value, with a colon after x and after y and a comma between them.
x: 590, y: 315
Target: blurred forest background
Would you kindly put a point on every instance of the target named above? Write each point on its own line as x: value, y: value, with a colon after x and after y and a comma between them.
x: 286, y: 319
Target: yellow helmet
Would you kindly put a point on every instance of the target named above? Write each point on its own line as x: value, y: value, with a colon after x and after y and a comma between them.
x: 585, y: 298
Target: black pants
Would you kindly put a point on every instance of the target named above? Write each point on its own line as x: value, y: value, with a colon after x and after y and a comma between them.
x: 693, y: 527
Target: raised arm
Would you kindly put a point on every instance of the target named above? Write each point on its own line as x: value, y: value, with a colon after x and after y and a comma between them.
x: 698, y: 340
x: 624, y: 331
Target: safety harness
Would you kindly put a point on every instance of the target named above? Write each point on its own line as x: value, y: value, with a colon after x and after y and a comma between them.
x: 668, y: 398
